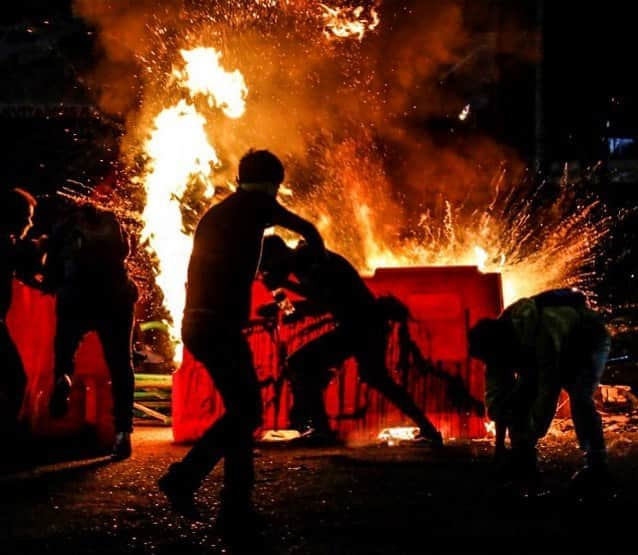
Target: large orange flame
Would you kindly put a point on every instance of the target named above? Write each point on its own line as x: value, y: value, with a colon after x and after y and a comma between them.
x: 178, y: 151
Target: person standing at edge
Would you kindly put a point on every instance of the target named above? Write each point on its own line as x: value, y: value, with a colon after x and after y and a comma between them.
x: 16, y: 215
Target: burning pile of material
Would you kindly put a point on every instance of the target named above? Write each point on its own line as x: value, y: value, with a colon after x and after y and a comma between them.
x: 336, y: 89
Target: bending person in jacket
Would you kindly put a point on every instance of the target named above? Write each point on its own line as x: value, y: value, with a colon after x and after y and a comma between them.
x: 531, y: 353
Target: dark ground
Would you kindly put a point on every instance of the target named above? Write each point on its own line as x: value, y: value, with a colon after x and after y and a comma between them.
x: 366, y: 499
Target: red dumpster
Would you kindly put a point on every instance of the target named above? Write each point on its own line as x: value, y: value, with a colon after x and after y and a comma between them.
x: 444, y: 302
x: 31, y: 323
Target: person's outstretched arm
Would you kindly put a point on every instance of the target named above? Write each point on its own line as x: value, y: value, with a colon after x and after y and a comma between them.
x: 285, y: 218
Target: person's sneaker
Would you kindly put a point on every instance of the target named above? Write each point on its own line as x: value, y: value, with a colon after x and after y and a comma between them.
x: 59, y: 403
x: 122, y: 446
x: 179, y: 495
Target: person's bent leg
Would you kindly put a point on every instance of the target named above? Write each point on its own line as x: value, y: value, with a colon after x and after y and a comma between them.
x: 13, y: 383
x: 308, y: 369
x: 587, y: 420
x: 71, y: 326
x: 115, y: 333
x: 380, y: 380
x: 226, y: 357
x: 242, y: 400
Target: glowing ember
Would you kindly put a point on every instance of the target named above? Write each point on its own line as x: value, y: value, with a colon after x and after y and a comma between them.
x: 399, y: 434
x: 465, y: 112
x: 490, y: 427
x: 348, y: 22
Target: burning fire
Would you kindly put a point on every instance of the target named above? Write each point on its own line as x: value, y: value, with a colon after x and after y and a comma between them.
x: 197, y: 120
x: 348, y: 22
x: 203, y: 74
x: 398, y: 434
x: 178, y: 152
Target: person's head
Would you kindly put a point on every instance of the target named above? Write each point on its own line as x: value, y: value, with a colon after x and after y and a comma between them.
x: 260, y: 171
x: 16, y: 212
x: 489, y: 340
x: 276, y: 261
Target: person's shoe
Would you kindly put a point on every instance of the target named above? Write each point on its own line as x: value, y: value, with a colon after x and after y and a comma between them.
x: 59, y: 403
x: 179, y: 495
x: 122, y: 446
x: 435, y: 441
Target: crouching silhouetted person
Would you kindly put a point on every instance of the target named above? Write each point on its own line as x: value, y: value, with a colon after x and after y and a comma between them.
x: 222, y: 267
x: 86, y: 269
x: 334, y: 286
x: 535, y: 348
x: 16, y: 213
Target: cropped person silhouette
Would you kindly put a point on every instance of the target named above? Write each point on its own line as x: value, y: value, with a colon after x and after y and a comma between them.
x: 331, y: 284
x: 16, y: 214
x: 222, y: 268
x: 86, y: 270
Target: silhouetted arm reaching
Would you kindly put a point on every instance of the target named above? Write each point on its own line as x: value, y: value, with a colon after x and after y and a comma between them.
x: 285, y: 218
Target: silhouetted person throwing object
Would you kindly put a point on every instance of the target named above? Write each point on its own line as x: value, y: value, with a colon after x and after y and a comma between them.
x: 535, y: 348
x: 86, y: 270
x: 223, y: 264
x: 16, y: 213
x: 333, y: 285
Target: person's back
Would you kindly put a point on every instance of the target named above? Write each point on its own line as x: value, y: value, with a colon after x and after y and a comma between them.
x: 562, y: 331
x: 334, y: 283
x: 225, y: 255
x: 551, y: 345
x: 87, y: 255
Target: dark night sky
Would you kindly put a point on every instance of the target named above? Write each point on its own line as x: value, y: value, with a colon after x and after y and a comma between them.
x: 588, y: 60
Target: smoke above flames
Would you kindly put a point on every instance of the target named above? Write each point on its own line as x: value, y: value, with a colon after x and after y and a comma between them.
x: 340, y: 91
x: 377, y: 84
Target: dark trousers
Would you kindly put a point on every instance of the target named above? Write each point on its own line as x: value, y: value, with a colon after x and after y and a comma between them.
x: 308, y: 369
x: 113, y: 323
x: 587, y: 421
x: 225, y: 353
x: 13, y: 382
x: 584, y: 367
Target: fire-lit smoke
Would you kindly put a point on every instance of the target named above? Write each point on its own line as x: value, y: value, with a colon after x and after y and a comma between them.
x: 340, y: 91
